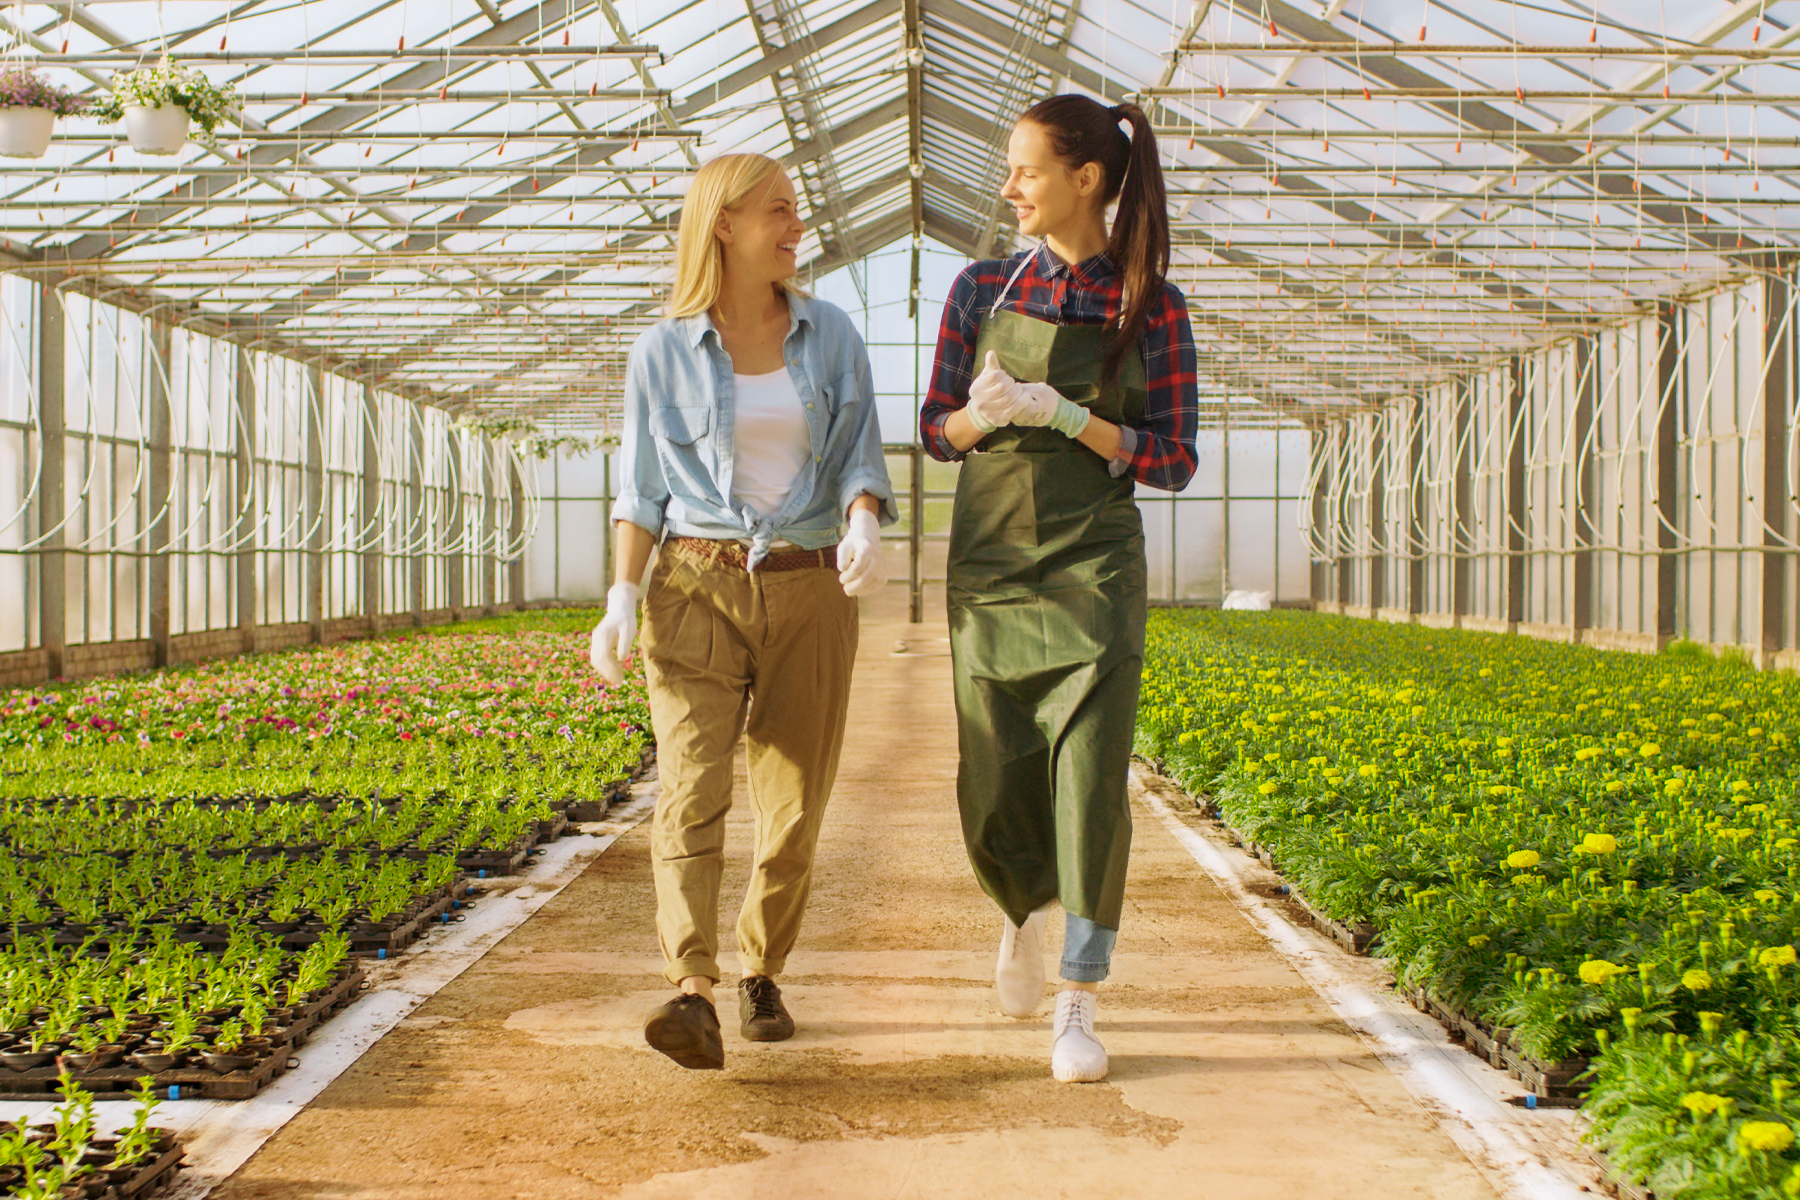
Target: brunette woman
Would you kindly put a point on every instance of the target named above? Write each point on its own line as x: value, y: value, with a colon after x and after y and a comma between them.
x: 1065, y: 375
x: 751, y: 452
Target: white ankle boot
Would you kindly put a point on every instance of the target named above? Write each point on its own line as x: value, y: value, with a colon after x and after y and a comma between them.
x: 1019, y: 973
x: 1076, y: 1055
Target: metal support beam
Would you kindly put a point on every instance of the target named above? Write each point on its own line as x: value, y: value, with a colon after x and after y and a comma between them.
x: 1672, y: 337
x: 456, y: 542
x: 1778, y: 401
x: 515, y: 536
x: 1587, y: 482
x: 1415, y: 511
x: 369, y: 503
x: 52, y: 499
x: 159, y: 347
x: 417, y: 528
x: 312, y: 503
x: 1516, y: 401
x: 244, y: 470
x: 1377, y: 515
x: 1462, y: 497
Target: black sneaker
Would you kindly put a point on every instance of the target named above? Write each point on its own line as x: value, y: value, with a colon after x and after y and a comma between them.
x: 762, y: 1017
x: 687, y: 1030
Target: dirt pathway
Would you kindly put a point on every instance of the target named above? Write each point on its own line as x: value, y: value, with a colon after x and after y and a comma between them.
x: 528, y: 1076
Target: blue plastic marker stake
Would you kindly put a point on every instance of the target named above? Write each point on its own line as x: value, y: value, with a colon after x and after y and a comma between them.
x: 381, y: 953
x: 174, y: 1091
x: 1531, y: 1101
x: 481, y: 874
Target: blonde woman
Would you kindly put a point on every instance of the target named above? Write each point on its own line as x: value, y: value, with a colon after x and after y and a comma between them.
x: 751, y: 452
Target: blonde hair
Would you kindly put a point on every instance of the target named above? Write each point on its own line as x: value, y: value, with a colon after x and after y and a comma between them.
x: 721, y: 184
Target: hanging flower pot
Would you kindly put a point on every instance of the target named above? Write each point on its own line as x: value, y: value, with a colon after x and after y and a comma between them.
x: 25, y: 132
x: 160, y: 105
x: 159, y: 130
x: 29, y: 107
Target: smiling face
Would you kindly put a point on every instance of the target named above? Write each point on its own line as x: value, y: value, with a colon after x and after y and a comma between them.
x: 761, y: 236
x: 1048, y: 196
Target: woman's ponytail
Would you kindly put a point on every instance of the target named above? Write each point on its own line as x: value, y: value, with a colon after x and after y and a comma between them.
x: 1139, y: 245
x: 1085, y: 131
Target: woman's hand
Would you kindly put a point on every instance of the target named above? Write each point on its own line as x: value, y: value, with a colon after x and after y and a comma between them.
x: 1041, y: 404
x: 994, y: 397
x: 612, y: 639
x: 861, y: 567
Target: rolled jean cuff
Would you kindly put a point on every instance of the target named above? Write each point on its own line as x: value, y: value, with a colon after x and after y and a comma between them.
x: 1087, y: 950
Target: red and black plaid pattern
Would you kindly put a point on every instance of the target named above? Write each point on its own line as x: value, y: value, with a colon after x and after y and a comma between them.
x: 1087, y: 293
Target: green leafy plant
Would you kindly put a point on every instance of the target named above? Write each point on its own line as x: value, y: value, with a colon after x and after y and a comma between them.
x: 169, y: 83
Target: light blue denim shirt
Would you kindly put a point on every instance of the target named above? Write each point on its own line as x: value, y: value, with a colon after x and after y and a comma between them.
x: 677, y: 458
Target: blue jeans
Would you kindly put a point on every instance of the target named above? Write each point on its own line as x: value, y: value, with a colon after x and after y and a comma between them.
x: 1087, y: 949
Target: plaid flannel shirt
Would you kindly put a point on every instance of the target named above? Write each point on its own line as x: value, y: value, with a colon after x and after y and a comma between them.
x: 1159, y: 451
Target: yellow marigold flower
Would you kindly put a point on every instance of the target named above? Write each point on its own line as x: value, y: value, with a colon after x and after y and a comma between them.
x: 1587, y: 752
x: 1700, y: 1103
x: 1599, y: 843
x: 1479, y: 940
x: 1597, y: 972
x: 1523, y: 860
x: 1776, y: 956
x: 1770, y: 1136
x: 1696, y: 980
x: 1368, y: 771
x: 1649, y: 749
x: 1767, y: 896
x: 1266, y: 789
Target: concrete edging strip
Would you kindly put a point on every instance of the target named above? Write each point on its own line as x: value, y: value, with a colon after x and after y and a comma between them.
x: 1485, y: 1128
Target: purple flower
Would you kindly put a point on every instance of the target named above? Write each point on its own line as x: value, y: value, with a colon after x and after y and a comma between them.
x: 22, y: 87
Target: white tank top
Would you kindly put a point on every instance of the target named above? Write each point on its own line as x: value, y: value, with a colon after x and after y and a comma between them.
x: 770, y: 441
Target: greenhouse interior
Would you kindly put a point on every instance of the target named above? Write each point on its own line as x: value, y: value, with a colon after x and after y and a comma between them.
x: 1399, y: 670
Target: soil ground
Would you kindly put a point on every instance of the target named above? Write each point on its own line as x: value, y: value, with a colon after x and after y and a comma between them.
x: 528, y: 1075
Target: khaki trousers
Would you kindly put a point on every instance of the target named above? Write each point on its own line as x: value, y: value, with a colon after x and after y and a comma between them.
x: 768, y: 655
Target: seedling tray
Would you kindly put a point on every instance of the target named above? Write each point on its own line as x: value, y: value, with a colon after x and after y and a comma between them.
x: 1616, y: 1181
x: 182, y: 1083
x: 155, y: 1175
x: 1359, y: 938
x: 498, y: 862
x: 595, y: 810
x: 401, y: 936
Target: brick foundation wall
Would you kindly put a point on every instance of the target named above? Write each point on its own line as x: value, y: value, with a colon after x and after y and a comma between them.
x: 108, y: 658
x: 208, y: 644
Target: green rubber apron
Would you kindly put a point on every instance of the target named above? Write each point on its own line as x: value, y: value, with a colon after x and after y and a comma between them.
x: 1047, y: 598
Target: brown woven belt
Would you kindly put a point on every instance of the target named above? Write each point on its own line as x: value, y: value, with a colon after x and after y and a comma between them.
x: 737, y: 555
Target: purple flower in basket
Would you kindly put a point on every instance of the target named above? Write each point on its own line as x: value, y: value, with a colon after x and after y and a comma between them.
x: 22, y: 87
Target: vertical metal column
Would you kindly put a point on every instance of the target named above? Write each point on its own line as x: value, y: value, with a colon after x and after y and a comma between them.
x: 1778, y: 400
x: 244, y: 561
x: 1462, y: 496
x: 1587, y: 480
x: 417, y: 531
x: 515, y: 535
x: 606, y: 525
x: 160, y: 339
x: 456, y: 543
x: 1224, y: 507
x: 368, y: 504
x: 1378, y: 472
x: 915, y: 539
x: 1415, y: 512
x: 53, y: 609
x: 1340, y: 520
x: 1671, y: 336
x: 1515, y: 491
x: 1319, y: 570
x: 490, y: 529
x: 312, y: 504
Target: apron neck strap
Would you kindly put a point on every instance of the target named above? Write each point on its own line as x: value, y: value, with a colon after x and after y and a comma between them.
x: 1026, y: 262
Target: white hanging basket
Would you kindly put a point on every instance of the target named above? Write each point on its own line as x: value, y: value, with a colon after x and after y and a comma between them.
x: 25, y: 132
x: 159, y: 130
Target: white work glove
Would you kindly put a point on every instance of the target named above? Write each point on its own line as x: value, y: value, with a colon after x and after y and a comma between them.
x: 861, y: 567
x: 1041, y: 404
x: 613, y: 637
x: 993, y: 397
